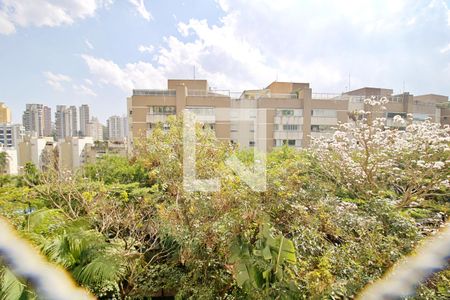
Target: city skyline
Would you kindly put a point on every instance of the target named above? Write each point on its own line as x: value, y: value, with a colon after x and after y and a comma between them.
x: 74, y: 53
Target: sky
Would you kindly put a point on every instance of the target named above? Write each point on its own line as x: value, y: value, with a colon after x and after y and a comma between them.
x: 96, y: 51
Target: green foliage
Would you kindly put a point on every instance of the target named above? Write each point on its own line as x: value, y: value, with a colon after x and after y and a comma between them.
x: 267, y: 263
x: 128, y: 229
x: 115, y: 169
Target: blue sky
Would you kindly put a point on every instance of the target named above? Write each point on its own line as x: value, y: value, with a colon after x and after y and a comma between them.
x: 95, y: 51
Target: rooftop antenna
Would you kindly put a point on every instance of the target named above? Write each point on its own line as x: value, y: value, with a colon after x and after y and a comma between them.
x: 194, y: 72
x: 403, y: 87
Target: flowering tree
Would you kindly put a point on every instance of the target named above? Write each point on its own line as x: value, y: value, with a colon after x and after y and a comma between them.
x: 366, y: 157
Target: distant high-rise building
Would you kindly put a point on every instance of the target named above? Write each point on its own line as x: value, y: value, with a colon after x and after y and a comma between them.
x: 5, y: 113
x: 94, y: 129
x: 37, y: 120
x: 47, y: 121
x: 66, y: 121
x: 105, y: 133
x: 84, y: 119
x: 117, y: 127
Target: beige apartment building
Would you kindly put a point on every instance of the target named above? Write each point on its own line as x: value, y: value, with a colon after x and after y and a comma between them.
x: 286, y: 112
x: 149, y: 107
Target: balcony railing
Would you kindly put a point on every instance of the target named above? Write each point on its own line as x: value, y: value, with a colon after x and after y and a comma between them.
x: 329, y: 96
x: 213, y: 93
x: 154, y: 92
x: 268, y: 96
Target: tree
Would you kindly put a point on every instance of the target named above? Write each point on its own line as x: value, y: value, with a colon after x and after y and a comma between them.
x: 4, y: 160
x: 367, y: 157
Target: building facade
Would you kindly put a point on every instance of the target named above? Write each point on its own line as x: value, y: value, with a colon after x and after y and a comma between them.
x: 11, y: 134
x: 34, y: 150
x: 37, y: 120
x: 146, y: 108
x: 85, y: 118
x: 117, y: 128
x: 5, y: 113
x: 74, y: 152
x: 66, y: 121
x: 286, y: 113
x: 94, y: 129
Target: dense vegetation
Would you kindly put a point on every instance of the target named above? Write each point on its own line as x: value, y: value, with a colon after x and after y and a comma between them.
x: 333, y: 218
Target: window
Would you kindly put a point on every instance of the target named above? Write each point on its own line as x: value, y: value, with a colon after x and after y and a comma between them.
x: 321, y: 128
x: 287, y: 112
x: 327, y: 113
x: 420, y: 117
x: 162, y: 110
x: 290, y: 127
x: 251, y: 143
x: 391, y: 115
x: 279, y: 143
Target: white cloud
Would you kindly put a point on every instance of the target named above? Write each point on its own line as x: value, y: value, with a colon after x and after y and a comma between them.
x: 6, y: 26
x: 84, y: 90
x: 88, y: 44
x: 140, y: 7
x: 50, y: 13
x: 56, y: 80
x: 135, y: 75
x: 378, y: 42
x: 445, y: 49
x: 146, y: 49
x: 223, y: 4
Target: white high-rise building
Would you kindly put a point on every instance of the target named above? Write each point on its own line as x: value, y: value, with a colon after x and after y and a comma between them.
x: 117, y: 128
x: 37, y: 120
x: 94, y: 129
x: 66, y: 121
x: 11, y: 135
x: 84, y: 119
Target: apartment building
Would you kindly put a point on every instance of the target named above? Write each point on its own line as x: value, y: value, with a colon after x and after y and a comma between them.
x: 117, y: 128
x: 37, y: 120
x: 149, y: 107
x: 66, y: 121
x: 94, y: 129
x: 285, y: 112
x: 5, y: 113
x: 11, y: 134
x: 73, y: 152
x: 85, y: 118
x: 34, y: 150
